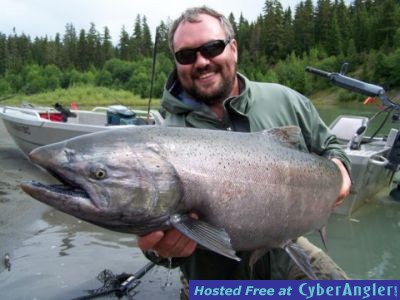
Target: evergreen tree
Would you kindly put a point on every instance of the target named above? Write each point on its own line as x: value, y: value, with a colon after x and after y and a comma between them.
x: 272, y: 29
x: 70, y: 42
x: 232, y: 20
x: 3, y: 53
x: 107, y: 46
x: 243, y: 36
x: 343, y: 20
x: 23, y: 49
x: 288, y: 32
x: 40, y: 51
x: 360, y: 26
x: 351, y: 52
x: 59, y: 49
x: 162, y: 39
x: 323, y: 18
x: 93, y: 47
x: 333, y: 41
x: 124, y: 45
x: 82, y: 61
x: 387, y: 22
x: 254, y: 45
x: 303, y: 25
x: 136, y: 48
x: 146, y: 43
x: 13, y: 60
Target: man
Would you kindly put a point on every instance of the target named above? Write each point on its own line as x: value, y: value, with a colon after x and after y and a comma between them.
x: 205, y: 91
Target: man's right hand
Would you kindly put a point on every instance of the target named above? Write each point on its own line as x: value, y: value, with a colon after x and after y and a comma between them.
x: 169, y: 243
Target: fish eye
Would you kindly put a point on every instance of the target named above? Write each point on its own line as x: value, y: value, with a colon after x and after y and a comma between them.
x: 99, y: 173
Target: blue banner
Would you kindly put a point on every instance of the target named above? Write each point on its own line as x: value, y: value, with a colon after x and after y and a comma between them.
x: 292, y: 289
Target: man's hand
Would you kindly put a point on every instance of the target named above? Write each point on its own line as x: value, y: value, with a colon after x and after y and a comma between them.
x: 169, y: 243
x: 346, y: 183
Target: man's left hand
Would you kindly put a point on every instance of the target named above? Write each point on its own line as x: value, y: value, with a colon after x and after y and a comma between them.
x: 346, y: 183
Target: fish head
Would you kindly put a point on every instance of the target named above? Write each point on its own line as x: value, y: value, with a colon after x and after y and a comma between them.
x: 126, y: 187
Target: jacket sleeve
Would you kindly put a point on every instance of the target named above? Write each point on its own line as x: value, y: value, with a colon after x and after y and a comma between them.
x: 318, y: 137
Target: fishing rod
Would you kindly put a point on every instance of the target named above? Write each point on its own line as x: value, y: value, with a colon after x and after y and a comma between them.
x: 120, y: 289
x: 153, y: 71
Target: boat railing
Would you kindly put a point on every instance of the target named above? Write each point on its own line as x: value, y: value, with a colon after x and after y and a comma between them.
x: 82, y: 116
x: 26, y: 111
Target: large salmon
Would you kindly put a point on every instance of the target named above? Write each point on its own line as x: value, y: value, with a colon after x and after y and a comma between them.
x: 252, y: 191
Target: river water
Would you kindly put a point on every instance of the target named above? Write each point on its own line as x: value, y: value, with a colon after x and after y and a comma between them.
x: 55, y: 256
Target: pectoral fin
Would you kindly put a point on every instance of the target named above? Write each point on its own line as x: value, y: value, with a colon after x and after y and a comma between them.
x: 210, y: 237
x: 301, y: 258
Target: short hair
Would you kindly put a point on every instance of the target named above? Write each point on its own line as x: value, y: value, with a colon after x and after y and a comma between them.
x: 192, y: 15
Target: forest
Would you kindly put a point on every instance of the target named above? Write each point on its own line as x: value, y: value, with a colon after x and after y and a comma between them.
x: 275, y: 47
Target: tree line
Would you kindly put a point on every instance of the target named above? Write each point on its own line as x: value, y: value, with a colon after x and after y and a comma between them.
x: 275, y: 47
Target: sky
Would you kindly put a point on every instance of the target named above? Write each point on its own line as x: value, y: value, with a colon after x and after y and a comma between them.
x: 38, y: 18
x: 47, y: 17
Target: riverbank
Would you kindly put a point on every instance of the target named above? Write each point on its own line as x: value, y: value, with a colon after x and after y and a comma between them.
x: 85, y: 96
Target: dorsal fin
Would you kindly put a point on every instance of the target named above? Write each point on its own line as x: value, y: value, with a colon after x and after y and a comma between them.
x: 289, y: 136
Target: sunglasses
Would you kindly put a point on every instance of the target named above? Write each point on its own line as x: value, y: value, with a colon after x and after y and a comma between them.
x: 208, y: 50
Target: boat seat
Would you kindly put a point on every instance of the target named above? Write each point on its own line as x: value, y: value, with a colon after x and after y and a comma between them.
x: 345, y: 127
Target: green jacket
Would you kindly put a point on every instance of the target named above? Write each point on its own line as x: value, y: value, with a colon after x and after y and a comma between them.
x: 259, y: 106
x: 263, y: 106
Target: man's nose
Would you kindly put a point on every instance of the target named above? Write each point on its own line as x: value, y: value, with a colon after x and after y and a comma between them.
x: 201, y: 61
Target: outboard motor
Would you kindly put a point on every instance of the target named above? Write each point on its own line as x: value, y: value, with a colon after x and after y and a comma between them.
x: 121, y: 115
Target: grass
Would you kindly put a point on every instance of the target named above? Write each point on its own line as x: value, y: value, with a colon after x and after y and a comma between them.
x: 85, y: 97
x: 324, y: 97
x: 91, y: 96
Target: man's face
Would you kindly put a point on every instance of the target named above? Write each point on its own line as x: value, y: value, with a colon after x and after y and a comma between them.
x: 209, y: 80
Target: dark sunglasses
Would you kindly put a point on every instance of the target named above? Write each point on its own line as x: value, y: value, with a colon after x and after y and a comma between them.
x: 208, y: 50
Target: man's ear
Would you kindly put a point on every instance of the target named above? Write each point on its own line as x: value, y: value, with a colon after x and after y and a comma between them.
x: 233, y: 45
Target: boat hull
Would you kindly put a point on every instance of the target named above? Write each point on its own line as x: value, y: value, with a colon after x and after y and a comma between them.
x: 30, y: 136
x: 368, y: 173
x: 29, y: 130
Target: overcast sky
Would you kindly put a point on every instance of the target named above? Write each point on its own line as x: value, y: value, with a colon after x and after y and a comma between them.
x: 48, y: 17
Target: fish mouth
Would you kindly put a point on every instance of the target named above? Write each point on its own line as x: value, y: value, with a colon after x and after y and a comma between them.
x: 76, y: 202
x: 67, y: 191
x: 67, y: 198
x: 61, y: 189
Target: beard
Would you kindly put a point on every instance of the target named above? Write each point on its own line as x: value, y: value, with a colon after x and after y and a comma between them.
x: 218, y: 94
